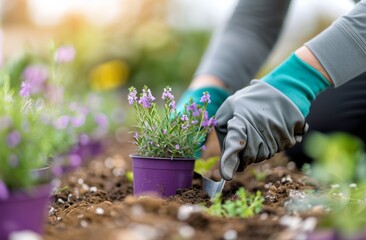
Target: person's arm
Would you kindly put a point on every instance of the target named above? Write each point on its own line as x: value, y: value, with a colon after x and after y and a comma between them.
x: 269, y: 115
x: 237, y: 51
x: 341, y: 48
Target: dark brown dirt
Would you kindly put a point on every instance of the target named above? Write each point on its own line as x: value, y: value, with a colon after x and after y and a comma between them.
x: 96, y: 202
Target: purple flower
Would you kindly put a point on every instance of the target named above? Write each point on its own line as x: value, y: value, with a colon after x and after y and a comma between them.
x: 177, y: 146
x: 146, y: 98
x: 167, y: 94
x: 35, y: 76
x: 13, y: 160
x: 14, y: 138
x: 4, y: 192
x: 102, y: 120
x: 62, y: 122
x: 77, y: 121
x: 136, y: 135
x: 25, y: 89
x: 65, y: 54
x: 194, y: 122
x: 75, y: 160
x: 205, y: 98
x: 203, y: 148
x: 132, y: 96
x: 172, y: 105
x: 197, y: 113
x: 165, y: 131
x: 185, y: 126
x: 184, y: 118
x: 192, y: 107
x: 84, y: 139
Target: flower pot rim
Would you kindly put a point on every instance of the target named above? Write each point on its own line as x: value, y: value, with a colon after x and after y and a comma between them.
x: 162, y: 158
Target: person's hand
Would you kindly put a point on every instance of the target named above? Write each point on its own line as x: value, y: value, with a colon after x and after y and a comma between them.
x: 268, y: 116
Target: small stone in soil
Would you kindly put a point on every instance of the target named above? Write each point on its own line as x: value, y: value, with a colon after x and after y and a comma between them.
x: 118, y: 172
x: 99, y: 211
x: 263, y: 216
x: 309, y: 224
x: 84, y: 223
x: 291, y: 222
x: 93, y: 189
x: 231, y: 235
x: 109, y: 163
x: 137, y: 210
x: 60, y: 201
x: 186, y: 210
x: 51, y: 211
x: 186, y: 231
x: 85, y: 187
x: 80, y: 181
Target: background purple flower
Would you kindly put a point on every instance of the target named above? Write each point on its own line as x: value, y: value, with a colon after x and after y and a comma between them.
x: 101, y: 120
x: 4, y: 192
x: 177, y: 146
x: 65, y: 54
x: 62, y: 122
x: 13, y: 160
x: 34, y: 78
x: 167, y: 94
x: 14, y: 138
x: 75, y: 160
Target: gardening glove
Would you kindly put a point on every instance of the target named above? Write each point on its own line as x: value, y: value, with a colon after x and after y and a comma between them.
x: 268, y: 116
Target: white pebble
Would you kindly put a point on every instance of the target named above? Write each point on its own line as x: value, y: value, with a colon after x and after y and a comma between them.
x: 186, y: 210
x: 99, y: 211
x: 83, y: 223
x: 60, y: 201
x: 58, y: 218
x: 80, y: 181
x: 51, y: 211
x: 109, y: 163
x: 137, y: 210
x: 296, y: 194
x: 118, y: 172
x: 186, y: 231
x: 231, y: 235
x: 85, y: 187
x: 291, y: 222
x: 309, y: 224
x: 93, y: 189
x: 263, y: 216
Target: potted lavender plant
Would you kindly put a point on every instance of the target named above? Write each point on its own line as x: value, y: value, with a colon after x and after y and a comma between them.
x: 29, y: 136
x: 166, y: 141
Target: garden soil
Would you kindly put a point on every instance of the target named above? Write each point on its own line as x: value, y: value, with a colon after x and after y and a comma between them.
x: 96, y: 202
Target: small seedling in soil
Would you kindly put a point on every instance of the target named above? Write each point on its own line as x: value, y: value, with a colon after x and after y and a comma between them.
x: 260, y: 176
x: 243, y: 205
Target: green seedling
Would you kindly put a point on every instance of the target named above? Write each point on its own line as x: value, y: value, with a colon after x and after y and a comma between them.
x: 202, y: 166
x: 260, y: 176
x: 244, y: 205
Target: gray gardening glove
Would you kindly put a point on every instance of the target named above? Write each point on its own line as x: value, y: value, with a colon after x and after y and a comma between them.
x: 254, y: 124
x: 268, y: 116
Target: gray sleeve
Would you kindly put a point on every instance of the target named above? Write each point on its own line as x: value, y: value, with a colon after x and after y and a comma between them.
x: 237, y: 51
x: 341, y: 48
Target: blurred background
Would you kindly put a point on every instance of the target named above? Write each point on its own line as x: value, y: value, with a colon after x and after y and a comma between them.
x: 135, y: 42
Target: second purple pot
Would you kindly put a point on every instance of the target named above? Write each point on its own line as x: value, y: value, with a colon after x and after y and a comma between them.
x: 161, y: 176
x: 24, y: 210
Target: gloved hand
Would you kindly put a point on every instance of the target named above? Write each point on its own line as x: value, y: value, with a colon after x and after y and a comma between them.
x: 268, y: 116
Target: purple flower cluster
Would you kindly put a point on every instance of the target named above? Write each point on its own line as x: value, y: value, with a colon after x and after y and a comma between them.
x: 205, y: 98
x: 34, y: 79
x: 146, y: 98
x: 132, y: 96
x: 14, y: 138
x: 169, y: 97
x: 65, y: 54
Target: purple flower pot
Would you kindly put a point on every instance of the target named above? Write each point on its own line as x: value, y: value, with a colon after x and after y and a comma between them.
x: 24, y: 210
x: 161, y: 176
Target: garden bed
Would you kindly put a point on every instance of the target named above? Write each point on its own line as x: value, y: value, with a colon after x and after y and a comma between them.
x: 96, y: 202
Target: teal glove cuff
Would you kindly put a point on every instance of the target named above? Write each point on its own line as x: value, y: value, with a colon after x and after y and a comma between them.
x: 299, y: 81
x: 218, y: 96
